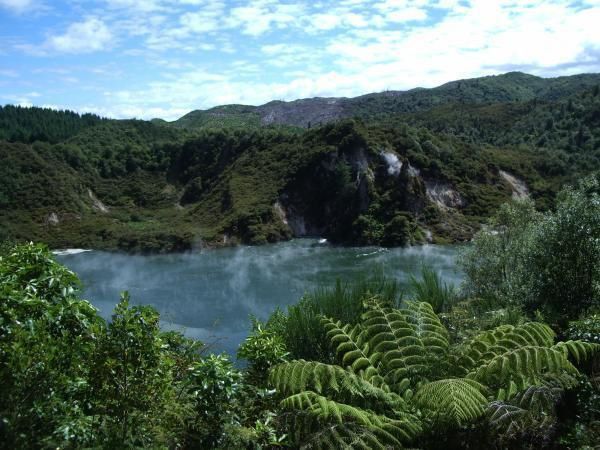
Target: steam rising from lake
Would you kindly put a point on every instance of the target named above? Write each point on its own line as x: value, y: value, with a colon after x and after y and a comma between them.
x: 210, y: 295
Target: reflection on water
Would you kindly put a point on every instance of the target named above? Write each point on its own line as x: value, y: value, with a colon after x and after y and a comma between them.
x: 210, y: 295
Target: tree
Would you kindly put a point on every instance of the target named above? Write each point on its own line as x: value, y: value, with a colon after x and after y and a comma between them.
x: 563, y: 262
x: 542, y: 262
x: 131, y: 375
x: 495, y: 264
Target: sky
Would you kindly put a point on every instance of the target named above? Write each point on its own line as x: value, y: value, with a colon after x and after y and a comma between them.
x: 164, y: 58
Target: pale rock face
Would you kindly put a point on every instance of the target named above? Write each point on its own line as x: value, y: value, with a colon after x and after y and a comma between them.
x: 443, y: 195
x: 413, y: 171
x: 96, y: 203
x: 295, y: 221
x: 428, y: 236
x: 280, y: 212
x: 393, y: 163
x: 52, y: 219
x: 519, y: 188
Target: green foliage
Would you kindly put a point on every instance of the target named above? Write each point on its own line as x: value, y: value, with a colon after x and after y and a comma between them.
x: 398, y: 376
x: 564, y: 263
x: 221, y: 177
x: 527, y: 417
x: 431, y: 289
x: 587, y: 329
x: 45, y: 334
x: 452, y: 402
x: 22, y: 124
x: 543, y: 262
x: 131, y: 376
x: 71, y: 380
x: 263, y: 349
x: 215, y: 385
x: 581, y: 428
x: 303, y: 332
x: 494, y: 264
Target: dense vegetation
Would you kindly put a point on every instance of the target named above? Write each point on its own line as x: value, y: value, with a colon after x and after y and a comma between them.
x: 389, y: 169
x: 21, y: 124
x: 511, y: 360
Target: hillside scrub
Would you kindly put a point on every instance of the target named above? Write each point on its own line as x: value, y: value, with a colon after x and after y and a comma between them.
x: 224, y: 176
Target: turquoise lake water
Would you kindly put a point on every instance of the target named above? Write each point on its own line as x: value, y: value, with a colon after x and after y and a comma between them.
x: 209, y: 295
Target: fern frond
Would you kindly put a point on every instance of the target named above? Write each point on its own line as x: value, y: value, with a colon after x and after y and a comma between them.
x: 490, y: 344
x: 389, y: 431
x: 452, y: 402
x: 344, y: 437
x: 352, y: 349
x: 333, y: 381
x: 427, y: 327
x: 516, y: 370
x: 394, y: 345
x: 531, y: 411
x: 577, y: 351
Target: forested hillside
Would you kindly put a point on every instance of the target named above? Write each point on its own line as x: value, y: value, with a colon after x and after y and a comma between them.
x: 400, y: 168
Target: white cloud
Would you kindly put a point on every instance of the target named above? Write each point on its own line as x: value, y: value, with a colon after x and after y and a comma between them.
x: 253, y: 51
x: 88, y: 36
x: 137, y: 5
x: 261, y: 15
x: 26, y: 99
x: 17, y: 6
x: 201, y: 22
x: 488, y: 37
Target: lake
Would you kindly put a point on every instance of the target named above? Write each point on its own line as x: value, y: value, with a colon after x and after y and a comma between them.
x: 209, y: 295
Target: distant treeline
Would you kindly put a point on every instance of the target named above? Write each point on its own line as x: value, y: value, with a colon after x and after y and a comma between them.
x: 25, y: 124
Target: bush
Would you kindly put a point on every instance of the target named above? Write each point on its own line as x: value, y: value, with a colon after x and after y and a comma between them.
x: 548, y: 263
x: 215, y: 386
x: 262, y: 349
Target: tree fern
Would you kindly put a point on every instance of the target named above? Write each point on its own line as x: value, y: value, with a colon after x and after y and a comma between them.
x: 395, y: 345
x: 531, y: 412
x: 486, y: 346
x: 352, y: 349
x: 452, y: 402
x: 344, y: 437
x: 514, y: 373
x: 577, y: 351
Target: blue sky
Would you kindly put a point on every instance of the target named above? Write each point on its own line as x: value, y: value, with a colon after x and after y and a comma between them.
x: 163, y: 58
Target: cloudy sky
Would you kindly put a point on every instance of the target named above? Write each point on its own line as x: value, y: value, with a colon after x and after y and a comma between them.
x: 163, y: 58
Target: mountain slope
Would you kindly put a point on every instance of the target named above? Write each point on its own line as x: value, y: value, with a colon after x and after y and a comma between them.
x: 510, y: 87
x: 423, y: 165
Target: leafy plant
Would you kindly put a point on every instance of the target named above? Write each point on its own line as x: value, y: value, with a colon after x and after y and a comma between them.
x: 262, y: 349
x: 215, y: 385
x: 302, y: 330
x: 399, y: 376
x: 541, y: 262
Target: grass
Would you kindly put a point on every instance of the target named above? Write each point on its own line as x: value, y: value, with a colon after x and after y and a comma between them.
x: 304, y: 334
x: 432, y: 289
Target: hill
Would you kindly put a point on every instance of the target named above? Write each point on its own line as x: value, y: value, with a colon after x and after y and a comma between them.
x: 408, y: 167
x: 305, y: 113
